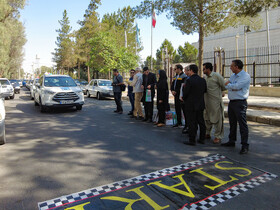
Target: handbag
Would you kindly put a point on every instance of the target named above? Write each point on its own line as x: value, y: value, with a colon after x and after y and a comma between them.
x: 123, y: 86
x: 148, y: 96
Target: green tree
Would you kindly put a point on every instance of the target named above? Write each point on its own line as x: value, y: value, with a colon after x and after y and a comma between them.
x: 42, y: 70
x: 204, y: 16
x: 166, y: 44
x: 122, y: 24
x: 12, y: 38
x: 147, y: 62
x: 188, y: 53
x: 90, y: 25
x: 106, y: 54
x: 64, y: 53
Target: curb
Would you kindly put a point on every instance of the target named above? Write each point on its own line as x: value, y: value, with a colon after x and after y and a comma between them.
x: 252, y: 118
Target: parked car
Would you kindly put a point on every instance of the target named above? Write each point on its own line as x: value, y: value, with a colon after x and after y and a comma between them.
x: 82, y: 83
x: 24, y: 82
x: 58, y: 91
x: 28, y: 84
x: 7, y: 89
x: 32, y: 88
x: 2, y: 119
x: 16, y: 87
x: 100, y: 88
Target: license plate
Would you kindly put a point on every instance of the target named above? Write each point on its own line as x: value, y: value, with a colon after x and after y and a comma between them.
x: 67, y: 102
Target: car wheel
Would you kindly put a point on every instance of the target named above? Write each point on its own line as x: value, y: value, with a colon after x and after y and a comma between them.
x: 88, y: 94
x: 12, y: 97
x: 42, y: 107
x: 98, y: 96
x: 35, y: 103
x: 79, y: 107
x: 3, y: 138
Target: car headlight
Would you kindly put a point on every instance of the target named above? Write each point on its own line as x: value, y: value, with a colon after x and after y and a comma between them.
x: 49, y: 92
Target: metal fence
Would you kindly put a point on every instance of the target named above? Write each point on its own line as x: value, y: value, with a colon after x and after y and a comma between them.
x: 259, y: 64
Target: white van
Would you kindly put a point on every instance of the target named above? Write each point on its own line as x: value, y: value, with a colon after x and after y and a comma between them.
x: 58, y: 91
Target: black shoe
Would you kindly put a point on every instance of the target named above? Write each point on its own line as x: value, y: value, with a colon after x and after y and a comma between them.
x: 201, y: 141
x: 228, y: 144
x: 244, y: 150
x: 116, y: 111
x: 175, y: 126
x: 185, y: 131
x: 190, y: 143
x: 130, y: 113
x: 145, y: 119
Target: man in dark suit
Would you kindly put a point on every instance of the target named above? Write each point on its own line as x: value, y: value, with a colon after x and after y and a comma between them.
x: 193, y: 95
x: 148, y: 85
x: 178, y: 80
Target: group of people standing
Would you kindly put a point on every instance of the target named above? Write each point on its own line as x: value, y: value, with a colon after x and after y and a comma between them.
x: 198, y: 99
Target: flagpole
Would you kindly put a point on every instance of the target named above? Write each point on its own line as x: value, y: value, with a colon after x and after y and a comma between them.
x: 136, y: 45
x: 152, y: 35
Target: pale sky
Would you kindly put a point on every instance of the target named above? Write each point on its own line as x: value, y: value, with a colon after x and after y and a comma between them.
x: 40, y: 18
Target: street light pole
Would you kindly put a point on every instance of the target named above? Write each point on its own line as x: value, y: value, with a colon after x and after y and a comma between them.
x: 38, y: 59
x: 246, y: 29
x: 236, y: 42
x: 268, y: 46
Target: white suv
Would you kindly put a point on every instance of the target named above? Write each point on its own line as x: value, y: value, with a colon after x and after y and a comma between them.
x: 58, y: 91
x: 6, y: 88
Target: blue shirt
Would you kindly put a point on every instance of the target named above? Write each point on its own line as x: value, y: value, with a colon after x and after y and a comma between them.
x: 238, y: 88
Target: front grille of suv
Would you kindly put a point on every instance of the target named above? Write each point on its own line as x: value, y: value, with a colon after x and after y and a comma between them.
x: 65, y: 96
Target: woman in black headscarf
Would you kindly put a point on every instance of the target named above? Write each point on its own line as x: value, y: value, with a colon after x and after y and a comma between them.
x: 162, y: 97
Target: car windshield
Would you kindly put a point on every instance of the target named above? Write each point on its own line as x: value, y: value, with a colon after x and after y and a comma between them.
x: 4, y: 82
x: 13, y: 80
x: 83, y: 82
x: 59, y: 82
x: 105, y: 83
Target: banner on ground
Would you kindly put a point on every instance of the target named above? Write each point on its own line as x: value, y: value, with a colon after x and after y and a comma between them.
x: 201, y: 184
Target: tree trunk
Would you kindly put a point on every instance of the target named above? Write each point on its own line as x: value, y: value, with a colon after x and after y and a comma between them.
x: 201, y: 42
x: 88, y: 74
x: 79, y: 69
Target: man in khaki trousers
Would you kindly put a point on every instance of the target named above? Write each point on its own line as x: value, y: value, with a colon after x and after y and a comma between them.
x: 136, y: 83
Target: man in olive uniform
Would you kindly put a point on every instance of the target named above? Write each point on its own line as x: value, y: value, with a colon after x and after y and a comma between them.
x: 214, y: 106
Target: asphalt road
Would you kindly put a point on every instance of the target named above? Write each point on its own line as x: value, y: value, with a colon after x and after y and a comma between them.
x: 48, y: 155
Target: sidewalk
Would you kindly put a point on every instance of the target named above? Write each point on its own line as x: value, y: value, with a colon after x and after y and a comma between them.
x: 261, y: 109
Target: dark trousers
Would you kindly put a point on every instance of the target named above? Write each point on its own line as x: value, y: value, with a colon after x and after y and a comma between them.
x: 237, y: 113
x: 161, y: 113
x: 179, y: 107
x: 132, y: 100
x: 196, y: 118
x: 118, y: 101
x: 185, y: 112
x: 149, y: 109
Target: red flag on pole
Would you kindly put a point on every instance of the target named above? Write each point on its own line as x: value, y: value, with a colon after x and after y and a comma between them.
x: 154, y: 20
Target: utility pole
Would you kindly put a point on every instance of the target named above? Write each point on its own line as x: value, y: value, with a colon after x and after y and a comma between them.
x: 236, y: 42
x: 246, y: 30
x: 268, y: 46
x: 37, y: 60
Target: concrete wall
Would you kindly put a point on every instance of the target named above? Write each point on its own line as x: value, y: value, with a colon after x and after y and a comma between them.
x: 265, y: 91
